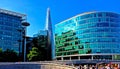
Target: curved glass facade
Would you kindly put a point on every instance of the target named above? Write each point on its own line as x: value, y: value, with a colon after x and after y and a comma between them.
x: 92, y: 35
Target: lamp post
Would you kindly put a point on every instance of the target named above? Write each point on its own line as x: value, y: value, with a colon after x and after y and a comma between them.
x: 25, y: 24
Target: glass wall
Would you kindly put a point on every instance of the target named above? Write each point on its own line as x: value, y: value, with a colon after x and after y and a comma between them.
x: 9, y: 34
x: 92, y: 33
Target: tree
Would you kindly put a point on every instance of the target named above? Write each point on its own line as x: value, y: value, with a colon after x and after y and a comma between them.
x: 1, y: 54
x: 0, y: 50
x: 39, y: 51
x: 34, y: 54
x: 9, y: 56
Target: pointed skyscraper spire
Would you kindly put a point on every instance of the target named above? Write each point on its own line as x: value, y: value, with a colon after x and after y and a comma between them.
x: 48, y: 28
x: 48, y: 20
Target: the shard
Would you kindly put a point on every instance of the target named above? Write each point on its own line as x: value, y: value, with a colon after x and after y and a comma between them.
x: 48, y: 28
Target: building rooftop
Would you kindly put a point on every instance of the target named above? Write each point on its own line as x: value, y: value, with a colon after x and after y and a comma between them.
x: 12, y: 13
x: 81, y: 14
x: 76, y: 16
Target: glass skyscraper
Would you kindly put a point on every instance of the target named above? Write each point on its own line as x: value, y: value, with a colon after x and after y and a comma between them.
x: 91, y: 35
x: 10, y: 30
x: 50, y: 37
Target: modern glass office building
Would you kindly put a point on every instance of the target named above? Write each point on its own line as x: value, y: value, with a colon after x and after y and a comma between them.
x: 41, y: 39
x: 91, y: 35
x: 10, y: 30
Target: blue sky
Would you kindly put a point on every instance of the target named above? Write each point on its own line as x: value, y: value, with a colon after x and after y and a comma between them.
x: 60, y: 9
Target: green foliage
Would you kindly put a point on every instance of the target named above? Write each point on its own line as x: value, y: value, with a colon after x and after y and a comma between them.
x: 39, y: 51
x: 34, y: 54
x: 1, y: 50
x: 8, y: 56
x: 1, y: 53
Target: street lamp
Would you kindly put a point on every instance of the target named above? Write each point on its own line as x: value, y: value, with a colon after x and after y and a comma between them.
x: 25, y: 24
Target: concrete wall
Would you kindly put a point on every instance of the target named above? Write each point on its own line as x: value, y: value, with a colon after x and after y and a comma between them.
x: 20, y: 66
x: 32, y: 65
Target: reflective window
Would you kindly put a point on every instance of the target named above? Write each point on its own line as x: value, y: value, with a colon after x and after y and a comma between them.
x: 8, y: 31
x: 90, y: 33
